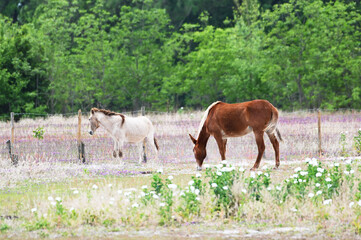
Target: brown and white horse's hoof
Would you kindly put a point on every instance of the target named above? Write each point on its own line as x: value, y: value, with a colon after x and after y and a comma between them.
x: 199, y: 168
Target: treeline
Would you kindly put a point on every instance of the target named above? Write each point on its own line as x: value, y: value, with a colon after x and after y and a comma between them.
x: 62, y: 55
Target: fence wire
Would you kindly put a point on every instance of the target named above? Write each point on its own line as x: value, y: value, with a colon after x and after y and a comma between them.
x: 59, y: 144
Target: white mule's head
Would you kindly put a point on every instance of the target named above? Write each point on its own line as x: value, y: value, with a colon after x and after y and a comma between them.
x: 94, y: 122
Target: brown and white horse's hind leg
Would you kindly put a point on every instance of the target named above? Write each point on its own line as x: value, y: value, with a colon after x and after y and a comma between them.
x: 261, y: 148
x: 276, y: 147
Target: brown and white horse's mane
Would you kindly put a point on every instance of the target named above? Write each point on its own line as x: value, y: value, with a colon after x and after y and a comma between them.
x: 109, y: 113
x: 204, y: 118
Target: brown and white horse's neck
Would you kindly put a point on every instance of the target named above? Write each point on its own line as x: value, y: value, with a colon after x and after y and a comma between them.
x: 204, y: 118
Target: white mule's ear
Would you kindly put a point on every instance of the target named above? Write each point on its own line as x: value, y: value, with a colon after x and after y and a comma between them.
x: 193, y: 139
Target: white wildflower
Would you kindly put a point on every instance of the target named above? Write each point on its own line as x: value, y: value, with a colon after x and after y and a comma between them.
x: 198, y: 198
x: 196, y: 192
x: 95, y: 187
x: 190, y: 183
x: 259, y: 173
x: 219, y: 173
x: 298, y: 169
x: 170, y: 178
x: 144, y: 187
x: 319, y: 192
x: 162, y: 204
x: 351, y: 204
x: 58, y: 199
x: 329, y: 185
x: 75, y: 192
x: 53, y: 203
x: 293, y: 209
x: 266, y: 174
x: 110, y: 185
x: 172, y: 186
x: 207, y: 166
x: 311, y: 195
x: 224, y: 162
x: 155, y: 196
x: 225, y: 187
x: 135, y: 205
x: 50, y: 198
x: 352, y: 171
x: 192, y: 188
x: 241, y: 169
x: 279, y: 188
x: 336, y: 164
x: 214, y: 185
x: 327, y: 201
x: 328, y: 179
x: 253, y: 175
x: 359, y: 203
x: 346, y: 172
x: 318, y: 174
x: 318, y: 185
x: 303, y: 173
x: 160, y: 170
x: 34, y: 210
x: 198, y: 175
x: 244, y: 190
x: 321, y: 170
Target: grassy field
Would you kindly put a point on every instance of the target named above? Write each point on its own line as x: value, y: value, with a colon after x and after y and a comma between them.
x: 51, y: 195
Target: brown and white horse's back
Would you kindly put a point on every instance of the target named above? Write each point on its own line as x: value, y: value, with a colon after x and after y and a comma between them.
x: 239, y: 119
x: 223, y: 120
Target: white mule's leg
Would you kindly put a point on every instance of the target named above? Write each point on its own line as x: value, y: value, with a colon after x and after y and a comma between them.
x: 115, y: 148
x: 152, y: 142
x: 120, y: 153
x: 141, y: 151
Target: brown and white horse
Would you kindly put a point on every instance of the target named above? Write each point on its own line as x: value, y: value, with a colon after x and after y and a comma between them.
x: 223, y: 120
x: 124, y: 129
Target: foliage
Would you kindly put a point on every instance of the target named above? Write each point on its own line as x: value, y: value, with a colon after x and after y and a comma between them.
x: 59, y: 55
x: 357, y: 141
x: 39, y: 133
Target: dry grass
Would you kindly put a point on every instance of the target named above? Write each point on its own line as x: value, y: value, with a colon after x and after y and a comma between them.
x: 49, y: 167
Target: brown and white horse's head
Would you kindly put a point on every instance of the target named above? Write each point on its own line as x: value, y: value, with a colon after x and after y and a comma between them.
x: 200, y: 153
x: 94, y: 122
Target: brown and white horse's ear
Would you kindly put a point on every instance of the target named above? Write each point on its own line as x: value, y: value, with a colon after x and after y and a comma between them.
x: 193, y: 139
x: 92, y: 111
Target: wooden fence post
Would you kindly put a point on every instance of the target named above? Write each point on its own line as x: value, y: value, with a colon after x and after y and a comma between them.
x: 14, y: 158
x: 12, y: 126
x: 81, y: 147
x: 144, y: 147
x: 319, y: 133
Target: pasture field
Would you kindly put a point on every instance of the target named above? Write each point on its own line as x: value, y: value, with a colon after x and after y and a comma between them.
x: 50, y: 194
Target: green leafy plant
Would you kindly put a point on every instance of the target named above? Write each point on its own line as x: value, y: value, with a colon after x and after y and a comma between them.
x: 357, y: 142
x: 39, y: 133
x: 343, y: 144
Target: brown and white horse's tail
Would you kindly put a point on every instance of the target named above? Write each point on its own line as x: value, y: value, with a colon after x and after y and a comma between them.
x: 272, y: 125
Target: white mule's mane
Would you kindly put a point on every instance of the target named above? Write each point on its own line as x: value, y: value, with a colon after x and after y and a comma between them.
x: 204, y: 118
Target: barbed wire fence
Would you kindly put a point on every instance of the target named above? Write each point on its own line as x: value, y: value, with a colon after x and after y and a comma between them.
x: 65, y: 138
